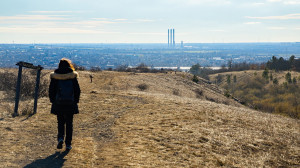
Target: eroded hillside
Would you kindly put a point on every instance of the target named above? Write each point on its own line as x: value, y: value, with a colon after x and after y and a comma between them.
x: 174, y: 122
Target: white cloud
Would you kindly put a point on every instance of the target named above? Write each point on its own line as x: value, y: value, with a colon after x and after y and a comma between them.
x: 53, y: 30
x: 60, y: 24
x: 51, y: 12
x: 159, y: 34
x: 252, y: 23
x: 277, y: 28
x: 193, y: 2
x: 34, y: 17
x: 95, y: 22
x: 258, y: 3
x: 292, y: 2
x: 100, y: 18
x: 144, y: 20
x: 287, y: 2
x: 283, y: 17
x: 199, y: 2
x: 217, y: 30
x: 91, y: 22
x: 120, y: 19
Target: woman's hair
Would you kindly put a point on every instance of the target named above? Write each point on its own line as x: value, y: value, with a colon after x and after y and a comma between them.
x: 66, y: 63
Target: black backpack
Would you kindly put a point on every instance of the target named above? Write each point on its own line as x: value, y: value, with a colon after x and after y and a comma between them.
x: 65, y: 92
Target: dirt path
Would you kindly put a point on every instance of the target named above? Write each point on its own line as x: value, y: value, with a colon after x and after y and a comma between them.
x: 31, y: 142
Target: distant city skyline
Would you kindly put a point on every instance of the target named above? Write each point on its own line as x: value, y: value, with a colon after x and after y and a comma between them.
x: 144, y: 21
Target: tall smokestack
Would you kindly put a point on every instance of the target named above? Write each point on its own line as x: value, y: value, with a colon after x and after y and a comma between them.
x: 173, y: 37
x: 168, y: 37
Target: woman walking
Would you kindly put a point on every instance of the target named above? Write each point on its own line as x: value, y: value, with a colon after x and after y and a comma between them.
x: 64, y: 93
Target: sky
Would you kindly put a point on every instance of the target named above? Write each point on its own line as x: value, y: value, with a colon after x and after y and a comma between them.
x: 148, y: 21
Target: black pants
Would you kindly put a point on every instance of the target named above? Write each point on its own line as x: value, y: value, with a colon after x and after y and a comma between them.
x: 62, y: 121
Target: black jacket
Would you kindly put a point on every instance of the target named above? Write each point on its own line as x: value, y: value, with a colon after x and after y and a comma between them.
x: 64, y: 74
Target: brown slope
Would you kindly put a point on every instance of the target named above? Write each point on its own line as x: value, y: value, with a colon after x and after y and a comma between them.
x: 120, y: 126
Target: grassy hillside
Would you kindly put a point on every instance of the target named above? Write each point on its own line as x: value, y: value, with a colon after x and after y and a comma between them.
x: 272, y: 92
x: 174, y: 122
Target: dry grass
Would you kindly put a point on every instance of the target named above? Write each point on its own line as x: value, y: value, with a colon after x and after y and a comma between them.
x: 121, y: 126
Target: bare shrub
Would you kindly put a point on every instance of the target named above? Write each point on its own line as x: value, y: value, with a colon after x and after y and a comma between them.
x: 143, y: 68
x: 79, y: 67
x: 8, y: 109
x: 227, y: 94
x: 195, y: 79
x: 122, y: 68
x: 95, y: 69
x: 8, y: 83
x: 27, y: 110
x: 219, y: 79
x: 176, y: 92
x: 44, y: 85
x: 210, y: 99
x: 198, y: 92
x: 28, y: 85
x: 142, y: 86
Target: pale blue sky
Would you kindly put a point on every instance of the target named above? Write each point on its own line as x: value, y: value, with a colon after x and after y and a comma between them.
x: 147, y: 21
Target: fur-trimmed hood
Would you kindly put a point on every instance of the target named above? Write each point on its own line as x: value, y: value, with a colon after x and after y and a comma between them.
x: 65, y: 76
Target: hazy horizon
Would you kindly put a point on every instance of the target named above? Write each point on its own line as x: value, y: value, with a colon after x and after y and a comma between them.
x: 166, y: 44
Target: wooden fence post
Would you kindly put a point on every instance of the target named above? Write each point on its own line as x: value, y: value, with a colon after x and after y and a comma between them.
x: 18, y: 88
x: 37, y: 85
